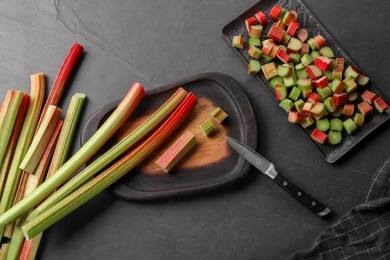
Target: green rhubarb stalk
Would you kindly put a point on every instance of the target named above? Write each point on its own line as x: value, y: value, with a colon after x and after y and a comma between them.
x: 58, y: 159
x: 12, y: 142
x: 62, y: 78
x: 102, y: 135
x: 41, y: 139
x: 124, y: 145
x: 33, y: 180
x: 112, y: 174
x: 24, y: 140
x: 9, y: 113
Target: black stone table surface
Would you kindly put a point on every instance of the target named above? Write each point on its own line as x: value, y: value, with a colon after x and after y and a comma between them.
x: 156, y: 42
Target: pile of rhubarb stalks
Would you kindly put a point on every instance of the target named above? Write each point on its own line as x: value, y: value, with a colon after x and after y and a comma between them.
x: 312, y: 85
x: 36, y: 187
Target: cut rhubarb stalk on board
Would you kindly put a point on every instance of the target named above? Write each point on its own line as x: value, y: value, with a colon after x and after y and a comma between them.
x: 62, y: 78
x: 337, y: 74
x: 306, y: 93
x: 337, y: 112
x: 295, y: 58
x: 340, y: 98
x: 321, y: 82
x: 349, y: 126
x: 41, y: 139
x: 275, y: 33
x: 269, y: 70
x: 313, y: 71
x: 319, y: 136
x: 101, y: 136
x: 111, y: 175
x: 305, y: 48
x: 238, y: 42
x: 177, y: 151
x: 267, y: 47
x: 352, y: 96
x: 295, y: 14
x: 261, y: 18
x: 255, y: 31
x: 350, y: 86
x: 314, y: 98
x: 380, y: 105
x: 292, y: 28
x: 299, y: 105
x: 324, y: 92
x: 323, y: 124
x: 274, y: 51
x: 358, y: 119
x: 279, y: 24
x: 368, y: 96
x: 350, y: 71
x: 275, y: 11
x: 294, y: 93
x: 308, y: 122
x: 301, y: 74
x: 307, y: 108
x: 219, y: 115
x: 362, y: 80
x: 327, y: 52
x: 286, y: 104
x: 121, y: 147
x: 286, y: 38
x: 322, y: 62
x: 249, y: 22
x: 319, y: 41
x: 304, y: 84
x: 284, y: 70
x: 312, y: 44
x: 295, y: 117
x: 254, y: 52
x: 280, y: 92
x: 365, y: 108
x: 288, y: 18
x: 336, y: 124
x: 306, y: 60
x: 251, y: 42
x: 348, y: 110
x: 337, y: 86
x: 207, y: 127
x: 334, y: 137
x: 340, y: 63
x: 330, y: 104
x: 294, y: 45
x: 253, y: 67
x: 276, y: 80
x: 283, y: 56
x: 302, y: 34
x: 318, y: 110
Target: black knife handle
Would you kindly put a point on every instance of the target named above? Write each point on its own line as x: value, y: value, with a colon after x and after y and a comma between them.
x: 314, y: 205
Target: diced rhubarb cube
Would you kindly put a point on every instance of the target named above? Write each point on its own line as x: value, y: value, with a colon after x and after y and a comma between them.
x: 267, y: 47
x: 280, y: 92
x: 318, y: 110
x: 295, y: 14
x: 313, y: 71
x: 286, y: 38
x: 261, y: 18
x: 348, y: 110
x: 319, y: 136
x: 321, y: 82
x: 380, y: 105
x: 368, y: 96
x: 314, y: 98
x: 254, y: 52
x: 275, y: 12
x: 256, y: 31
x: 305, y: 48
x: 351, y: 71
x: 362, y: 79
x: 302, y: 34
x: 322, y: 62
x: 337, y: 73
x: 340, y: 63
x: 249, y: 22
x: 340, y: 98
x: 330, y: 104
x: 288, y: 18
x: 294, y: 45
x: 307, y: 108
x: 308, y: 122
x: 319, y: 40
x: 275, y: 33
x: 283, y: 56
x: 279, y: 24
x: 293, y: 28
x: 238, y: 42
x: 365, y: 108
x: 295, y: 117
x: 337, y: 86
x: 274, y: 51
x: 269, y: 70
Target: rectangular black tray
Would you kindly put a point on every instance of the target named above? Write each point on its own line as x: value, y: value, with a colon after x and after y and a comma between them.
x: 314, y: 27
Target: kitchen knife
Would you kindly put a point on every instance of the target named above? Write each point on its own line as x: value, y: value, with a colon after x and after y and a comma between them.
x: 268, y: 169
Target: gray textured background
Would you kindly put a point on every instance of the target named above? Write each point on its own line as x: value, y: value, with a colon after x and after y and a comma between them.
x: 156, y: 42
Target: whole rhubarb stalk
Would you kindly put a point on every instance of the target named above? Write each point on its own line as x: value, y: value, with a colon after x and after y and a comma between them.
x: 102, y: 135
x: 112, y: 174
x: 124, y: 145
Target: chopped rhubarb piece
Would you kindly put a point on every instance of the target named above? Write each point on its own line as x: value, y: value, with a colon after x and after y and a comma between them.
x: 322, y: 62
x: 275, y: 12
x: 306, y: 93
x: 275, y: 33
x: 269, y: 70
x: 337, y: 112
x: 279, y: 24
x: 337, y: 86
x: 267, y: 47
x: 305, y: 48
x: 340, y: 98
x: 238, y: 42
x: 293, y: 28
x: 253, y: 67
x: 312, y: 44
x: 350, y: 86
x: 286, y: 104
x: 299, y: 105
x: 362, y: 80
x: 337, y: 73
x: 350, y: 71
x: 284, y: 70
x: 249, y: 22
x: 380, y: 105
x: 334, y: 137
x: 177, y: 151
x: 299, y: 66
x: 321, y: 82
x: 340, y: 63
x: 294, y: 45
x: 274, y: 51
x: 261, y: 18
x: 254, y: 52
x: 314, y: 98
x: 319, y: 136
x: 349, y: 126
x: 286, y: 38
x: 207, y: 127
x: 219, y: 115
x: 290, y: 81
x: 324, y: 92
x: 295, y: 117
x: 307, y: 107
x: 254, y: 42
x: 313, y: 71
x: 368, y: 96
x: 358, y: 119
x: 306, y: 60
x: 318, y: 110
x: 348, y: 110
x: 302, y: 34
x: 319, y: 40
x: 255, y: 31
x: 295, y: 58
x: 304, y: 84
x: 294, y: 93
x: 330, y: 104
x: 336, y: 124
x: 295, y: 14
x: 365, y: 108
x: 282, y: 56
x: 352, y: 96
x: 288, y: 18
x: 308, y: 122
x: 280, y: 92
x: 327, y: 52
x: 323, y: 124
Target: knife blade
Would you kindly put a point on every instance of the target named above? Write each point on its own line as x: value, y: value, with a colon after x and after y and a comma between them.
x: 268, y: 169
